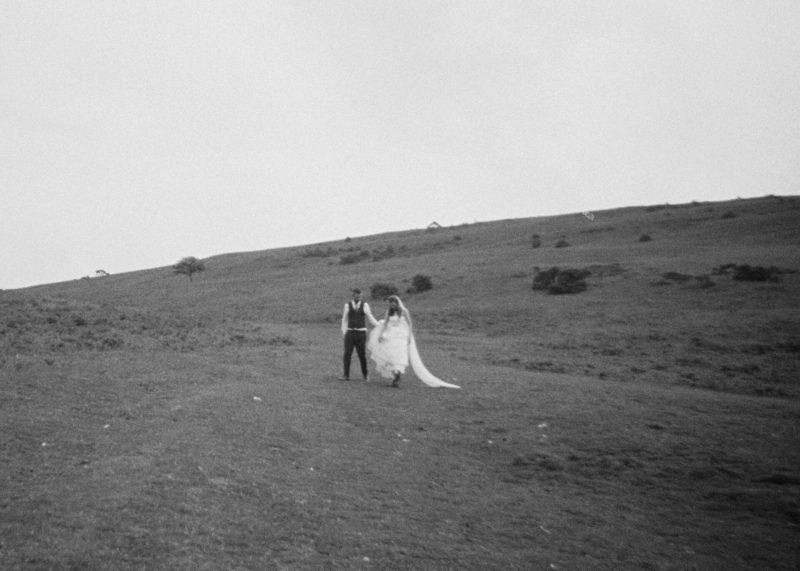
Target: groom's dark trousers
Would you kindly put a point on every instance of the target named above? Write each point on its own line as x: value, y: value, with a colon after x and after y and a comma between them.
x: 357, y: 340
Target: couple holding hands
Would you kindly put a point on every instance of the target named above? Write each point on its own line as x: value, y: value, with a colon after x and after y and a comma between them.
x: 391, y: 342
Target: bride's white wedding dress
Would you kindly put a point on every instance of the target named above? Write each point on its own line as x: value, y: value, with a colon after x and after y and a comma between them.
x: 398, y: 350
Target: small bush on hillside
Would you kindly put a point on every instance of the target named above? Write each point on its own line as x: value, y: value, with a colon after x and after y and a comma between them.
x: 729, y: 214
x: 756, y: 273
x: 543, y: 278
x: 420, y: 283
x: 745, y: 272
x: 558, y: 281
x: 354, y: 258
x: 569, y: 281
x: 562, y: 244
x: 536, y: 241
x: 645, y: 238
x: 382, y: 291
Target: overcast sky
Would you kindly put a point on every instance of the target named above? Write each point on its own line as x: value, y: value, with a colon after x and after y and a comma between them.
x: 134, y: 133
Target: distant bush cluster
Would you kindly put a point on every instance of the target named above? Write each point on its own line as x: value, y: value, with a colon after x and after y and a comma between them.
x: 536, y: 239
x: 745, y: 272
x: 739, y: 272
x: 348, y: 255
x: 557, y: 281
x: 536, y: 242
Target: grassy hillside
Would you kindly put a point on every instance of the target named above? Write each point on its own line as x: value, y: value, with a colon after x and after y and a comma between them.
x: 631, y: 324
x: 649, y: 421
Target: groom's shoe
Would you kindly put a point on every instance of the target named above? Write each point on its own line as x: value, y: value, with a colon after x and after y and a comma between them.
x: 344, y: 378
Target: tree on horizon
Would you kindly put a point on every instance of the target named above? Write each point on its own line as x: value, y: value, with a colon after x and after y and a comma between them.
x: 189, y: 265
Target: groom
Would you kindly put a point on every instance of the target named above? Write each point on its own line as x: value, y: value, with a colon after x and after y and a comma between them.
x: 354, y: 328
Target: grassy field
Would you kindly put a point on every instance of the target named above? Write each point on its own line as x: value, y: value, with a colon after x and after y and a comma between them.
x: 649, y: 422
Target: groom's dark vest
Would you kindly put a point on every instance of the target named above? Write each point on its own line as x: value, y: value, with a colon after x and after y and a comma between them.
x: 355, y: 317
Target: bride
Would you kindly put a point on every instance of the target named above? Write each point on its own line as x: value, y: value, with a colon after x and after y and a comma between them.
x: 392, y: 346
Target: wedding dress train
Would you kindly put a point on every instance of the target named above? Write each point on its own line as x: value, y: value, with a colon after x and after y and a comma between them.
x: 398, y: 350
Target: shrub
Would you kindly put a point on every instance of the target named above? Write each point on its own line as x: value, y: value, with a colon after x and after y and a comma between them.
x: 536, y: 241
x: 562, y: 243
x: 420, y: 283
x: 748, y: 273
x: 645, y: 238
x: 569, y: 281
x: 557, y: 281
x: 543, y: 279
x: 756, y: 273
x: 382, y: 291
x: 729, y: 214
